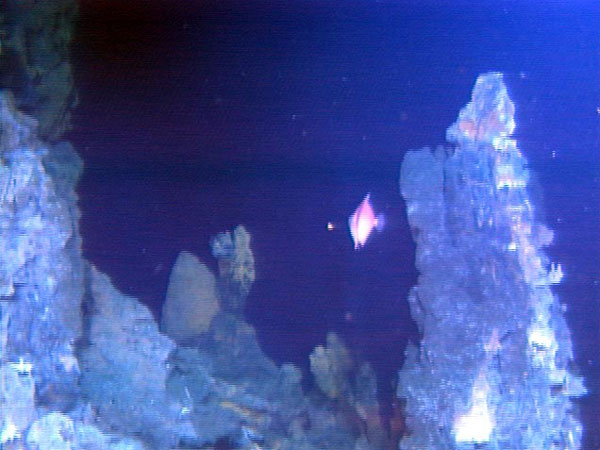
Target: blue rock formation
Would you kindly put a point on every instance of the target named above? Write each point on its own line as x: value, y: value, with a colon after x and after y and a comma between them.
x: 84, y: 366
x: 35, y: 61
x: 236, y: 268
x: 41, y: 277
x: 492, y: 367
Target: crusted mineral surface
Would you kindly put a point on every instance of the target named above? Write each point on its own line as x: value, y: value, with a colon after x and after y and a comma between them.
x: 492, y: 367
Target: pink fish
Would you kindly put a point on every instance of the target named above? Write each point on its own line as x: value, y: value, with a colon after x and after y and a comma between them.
x: 363, y: 221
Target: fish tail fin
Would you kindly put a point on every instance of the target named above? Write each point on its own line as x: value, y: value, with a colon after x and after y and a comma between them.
x: 380, y: 224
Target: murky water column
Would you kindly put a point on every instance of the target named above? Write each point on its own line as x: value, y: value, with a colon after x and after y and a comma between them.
x: 491, y: 370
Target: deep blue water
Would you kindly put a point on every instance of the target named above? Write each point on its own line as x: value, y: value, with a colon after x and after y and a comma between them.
x: 282, y: 117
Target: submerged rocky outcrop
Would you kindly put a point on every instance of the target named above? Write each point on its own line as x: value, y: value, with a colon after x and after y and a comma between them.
x: 41, y: 283
x: 35, y: 64
x: 85, y: 366
x: 192, y: 300
x: 42, y: 291
x: 493, y: 368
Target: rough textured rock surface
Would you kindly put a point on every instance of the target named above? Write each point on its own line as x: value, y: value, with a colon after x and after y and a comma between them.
x: 330, y: 366
x: 232, y: 392
x: 17, y: 399
x: 236, y: 268
x: 41, y: 292
x: 191, y: 301
x: 41, y: 282
x: 493, y: 366
x: 127, y: 386
x: 57, y: 431
x: 123, y: 367
x: 35, y: 63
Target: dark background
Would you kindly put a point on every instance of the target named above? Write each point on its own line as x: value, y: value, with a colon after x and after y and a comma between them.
x: 198, y: 116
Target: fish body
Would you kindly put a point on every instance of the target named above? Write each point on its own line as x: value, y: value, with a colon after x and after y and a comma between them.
x: 363, y: 221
